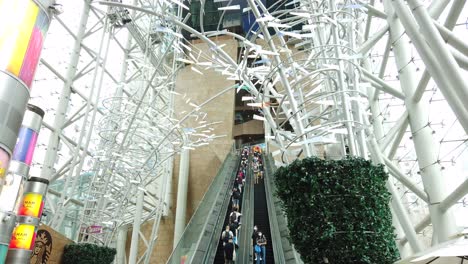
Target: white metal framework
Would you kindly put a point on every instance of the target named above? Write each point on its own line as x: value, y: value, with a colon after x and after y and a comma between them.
x: 377, y: 79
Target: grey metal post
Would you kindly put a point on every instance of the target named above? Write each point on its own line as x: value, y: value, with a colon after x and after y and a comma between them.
x: 29, y: 206
x: 29, y: 215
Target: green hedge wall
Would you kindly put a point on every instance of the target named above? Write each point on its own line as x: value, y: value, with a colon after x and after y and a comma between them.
x: 87, y: 254
x: 338, y: 210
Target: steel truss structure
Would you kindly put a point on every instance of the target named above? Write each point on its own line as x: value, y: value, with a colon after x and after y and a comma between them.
x: 376, y: 79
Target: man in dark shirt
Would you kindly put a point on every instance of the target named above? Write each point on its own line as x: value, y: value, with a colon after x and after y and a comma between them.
x: 229, y: 252
x: 261, y: 242
x: 254, y: 240
x: 235, y: 198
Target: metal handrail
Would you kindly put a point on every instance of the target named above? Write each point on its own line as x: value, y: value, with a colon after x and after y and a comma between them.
x: 243, y: 256
x: 206, y: 201
x: 214, y: 238
x: 278, y: 246
x: 274, y: 228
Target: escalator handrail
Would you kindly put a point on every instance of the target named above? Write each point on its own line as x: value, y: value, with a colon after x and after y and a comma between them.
x: 214, y: 238
x: 195, y: 215
x: 211, y: 252
x: 275, y: 234
x: 243, y: 255
x: 270, y: 189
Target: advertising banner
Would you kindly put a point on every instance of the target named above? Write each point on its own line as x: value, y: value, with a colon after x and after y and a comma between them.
x: 22, y: 31
x: 25, y: 146
x: 22, y: 237
x: 4, y: 162
x: 31, y: 205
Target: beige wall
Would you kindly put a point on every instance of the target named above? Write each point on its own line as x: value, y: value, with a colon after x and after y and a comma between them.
x: 204, y: 161
x: 252, y: 127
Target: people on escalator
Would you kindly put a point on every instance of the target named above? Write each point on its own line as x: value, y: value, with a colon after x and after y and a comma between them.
x: 227, y: 235
x: 234, y: 217
x: 233, y: 228
x: 261, y: 242
x: 255, y: 171
x: 260, y: 168
x: 240, y: 174
x: 254, y: 241
x: 229, y: 252
x: 235, y: 224
x: 236, y: 186
x: 239, y: 183
x: 244, y: 169
x: 235, y: 198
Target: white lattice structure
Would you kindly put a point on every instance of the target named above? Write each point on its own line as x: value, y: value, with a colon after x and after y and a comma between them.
x: 377, y: 79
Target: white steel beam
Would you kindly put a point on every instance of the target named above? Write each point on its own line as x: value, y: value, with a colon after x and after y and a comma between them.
x: 425, y: 145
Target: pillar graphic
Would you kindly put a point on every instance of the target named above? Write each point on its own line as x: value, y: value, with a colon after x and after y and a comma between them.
x: 29, y: 216
x: 22, y: 31
x: 23, y: 27
x: 30, y: 206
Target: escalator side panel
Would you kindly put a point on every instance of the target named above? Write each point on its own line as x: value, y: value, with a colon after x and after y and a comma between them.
x: 286, y: 252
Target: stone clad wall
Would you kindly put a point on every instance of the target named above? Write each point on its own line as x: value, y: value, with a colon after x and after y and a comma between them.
x: 204, y: 161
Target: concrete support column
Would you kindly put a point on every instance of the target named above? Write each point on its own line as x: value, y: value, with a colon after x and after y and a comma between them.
x: 182, y: 188
x: 425, y: 146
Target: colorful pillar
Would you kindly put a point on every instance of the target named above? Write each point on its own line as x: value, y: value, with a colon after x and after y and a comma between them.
x: 22, y: 30
x: 30, y: 208
x: 29, y: 216
x: 23, y: 27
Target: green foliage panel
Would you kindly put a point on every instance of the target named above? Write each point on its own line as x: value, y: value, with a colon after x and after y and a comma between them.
x: 88, y: 254
x: 338, y: 210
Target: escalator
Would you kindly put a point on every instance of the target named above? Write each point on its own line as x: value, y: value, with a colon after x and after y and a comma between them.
x: 201, y: 241
x: 256, y: 213
x: 261, y: 218
x: 201, y: 234
x: 284, y: 251
x: 219, y: 258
